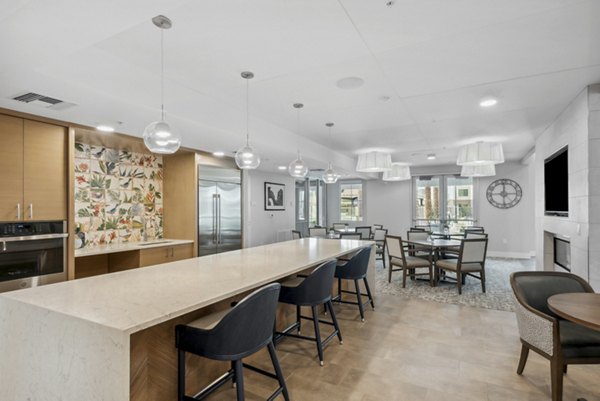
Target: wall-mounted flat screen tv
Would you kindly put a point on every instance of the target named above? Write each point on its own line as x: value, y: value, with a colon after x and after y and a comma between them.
x: 556, y: 183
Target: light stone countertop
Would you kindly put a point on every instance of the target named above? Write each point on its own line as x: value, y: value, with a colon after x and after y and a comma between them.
x: 129, y: 246
x: 132, y: 300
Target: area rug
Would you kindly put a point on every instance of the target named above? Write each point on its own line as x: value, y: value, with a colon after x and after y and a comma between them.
x: 498, y: 293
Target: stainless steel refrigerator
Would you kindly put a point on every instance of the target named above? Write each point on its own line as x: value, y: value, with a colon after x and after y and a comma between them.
x: 219, y: 210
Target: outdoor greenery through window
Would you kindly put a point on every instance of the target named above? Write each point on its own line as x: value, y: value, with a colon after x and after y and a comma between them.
x: 351, y: 200
x: 444, y: 202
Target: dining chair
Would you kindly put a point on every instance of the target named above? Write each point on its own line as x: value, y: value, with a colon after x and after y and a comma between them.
x: 477, y: 229
x: 339, y: 226
x: 541, y: 330
x: 364, y: 231
x: 296, y: 234
x: 471, y: 260
x: 350, y: 236
x: 415, y: 250
x: 317, y: 232
x: 379, y: 238
x: 406, y: 263
x: 475, y: 234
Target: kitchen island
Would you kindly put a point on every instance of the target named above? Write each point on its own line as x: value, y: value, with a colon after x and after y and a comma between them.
x: 111, y: 337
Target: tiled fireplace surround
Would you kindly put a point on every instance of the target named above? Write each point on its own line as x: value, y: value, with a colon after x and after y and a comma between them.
x: 578, y: 126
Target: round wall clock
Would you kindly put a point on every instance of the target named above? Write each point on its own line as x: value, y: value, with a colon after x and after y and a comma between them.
x: 504, y: 193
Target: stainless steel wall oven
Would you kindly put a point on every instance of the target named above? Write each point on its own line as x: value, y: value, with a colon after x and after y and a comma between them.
x: 32, y: 254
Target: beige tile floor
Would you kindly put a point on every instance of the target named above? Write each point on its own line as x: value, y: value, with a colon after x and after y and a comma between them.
x: 417, y: 350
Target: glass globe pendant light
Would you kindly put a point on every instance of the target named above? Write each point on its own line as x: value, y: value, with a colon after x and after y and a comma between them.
x: 159, y: 137
x: 329, y: 175
x: 246, y: 157
x: 297, y: 168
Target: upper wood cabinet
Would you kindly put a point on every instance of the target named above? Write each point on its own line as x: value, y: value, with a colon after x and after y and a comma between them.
x: 33, y: 158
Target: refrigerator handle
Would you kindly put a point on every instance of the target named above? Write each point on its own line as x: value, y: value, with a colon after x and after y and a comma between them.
x: 214, y: 219
x: 219, y: 219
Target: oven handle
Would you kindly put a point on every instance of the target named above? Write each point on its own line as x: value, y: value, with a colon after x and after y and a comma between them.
x: 33, y: 237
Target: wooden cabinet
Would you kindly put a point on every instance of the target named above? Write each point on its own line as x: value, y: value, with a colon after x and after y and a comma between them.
x: 166, y: 254
x: 33, y: 161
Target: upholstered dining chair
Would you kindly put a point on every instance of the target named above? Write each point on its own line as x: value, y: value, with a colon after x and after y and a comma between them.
x: 296, y: 234
x: 415, y: 250
x: 339, y: 226
x: 364, y: 231
x: 317, y: 232
x: 541, y: 330
x: 350, y: 236
x: 376, y: 227
x: 475, y: 234
x: 477, y: 229
x: 379, y: 238
x: 400, y: 261
x: 471, y: 260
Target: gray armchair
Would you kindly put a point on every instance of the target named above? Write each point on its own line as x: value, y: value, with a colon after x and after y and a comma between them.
x: 541, y: 330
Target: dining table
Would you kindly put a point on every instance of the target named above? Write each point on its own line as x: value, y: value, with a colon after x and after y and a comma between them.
x: 580, y: 307
x: 437, y: 247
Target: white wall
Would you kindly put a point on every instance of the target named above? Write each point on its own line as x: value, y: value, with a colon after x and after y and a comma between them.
x: 570, y: 128
x: 511, y: 231
x: 390, y: 204
x: 260, y: 226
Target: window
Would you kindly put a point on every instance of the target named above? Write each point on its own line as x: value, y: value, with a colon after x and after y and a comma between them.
x: 444, y: 201
x: 351, y: 200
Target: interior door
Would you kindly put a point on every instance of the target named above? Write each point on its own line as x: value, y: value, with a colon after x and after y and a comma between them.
x: 229, y: 207
x: 207, y: 218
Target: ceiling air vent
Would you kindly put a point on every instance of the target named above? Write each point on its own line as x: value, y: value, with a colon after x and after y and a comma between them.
x: 44, y: 101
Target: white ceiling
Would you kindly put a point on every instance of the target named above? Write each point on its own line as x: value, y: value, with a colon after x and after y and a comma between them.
x: 433, y: 59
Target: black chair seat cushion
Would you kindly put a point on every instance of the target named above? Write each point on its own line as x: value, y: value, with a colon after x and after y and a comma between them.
x: 578, y: 341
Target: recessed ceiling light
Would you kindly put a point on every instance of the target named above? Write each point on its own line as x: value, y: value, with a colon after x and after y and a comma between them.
x: 105, y: 128
x: 282, y: 168
x: 431, y: 156
x: 350, y: 83
x: 219, y: 154
x: 488, y: 102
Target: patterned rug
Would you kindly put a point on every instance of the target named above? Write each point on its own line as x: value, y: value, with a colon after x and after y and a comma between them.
x: 498, y: 293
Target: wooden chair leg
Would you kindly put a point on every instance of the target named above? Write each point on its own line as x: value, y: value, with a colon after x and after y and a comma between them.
x: 556, y: 377
x: 565, y: 369
x: 459, y: 282
x: 483, y: 280
x: 404, y: 269
x: 431, y: 278
x: 390, y: 273
x: 523, y: 359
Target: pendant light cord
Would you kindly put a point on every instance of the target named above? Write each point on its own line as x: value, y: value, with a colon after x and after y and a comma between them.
x: 162, y: 75
x: 247, y: 112
x: 298, y: 128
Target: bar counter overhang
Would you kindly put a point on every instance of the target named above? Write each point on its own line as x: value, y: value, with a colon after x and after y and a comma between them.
x: 93, y: 338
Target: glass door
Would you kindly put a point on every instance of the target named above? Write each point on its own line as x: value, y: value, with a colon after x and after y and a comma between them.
x: 444, y: 202
x: 301, y: 195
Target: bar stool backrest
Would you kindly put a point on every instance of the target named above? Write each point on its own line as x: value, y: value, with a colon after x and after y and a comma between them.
x: 357, y: 266
x: 316, y: 288
x: 247, y: 327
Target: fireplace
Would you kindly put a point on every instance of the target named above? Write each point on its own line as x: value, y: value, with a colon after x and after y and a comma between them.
x: 562, y: 254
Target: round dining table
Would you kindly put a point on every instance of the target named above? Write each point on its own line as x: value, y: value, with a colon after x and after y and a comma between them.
x: 581, y: 307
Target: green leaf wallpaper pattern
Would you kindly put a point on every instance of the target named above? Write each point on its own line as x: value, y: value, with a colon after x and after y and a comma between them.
x: 118, y: 195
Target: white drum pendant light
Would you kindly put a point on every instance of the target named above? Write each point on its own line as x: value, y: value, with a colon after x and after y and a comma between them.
x: 480, y: 153
x: 482, y: 170
x: 374, y: 162
x: 246, y: 157
x: 159, y: 137
x: 399, y: 172
x: 330, y: 176
x: 298, y: 168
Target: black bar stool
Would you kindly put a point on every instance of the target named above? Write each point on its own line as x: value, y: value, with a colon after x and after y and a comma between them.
x: 313, y: 290
x: 230, y: 336
x: 355, y: 269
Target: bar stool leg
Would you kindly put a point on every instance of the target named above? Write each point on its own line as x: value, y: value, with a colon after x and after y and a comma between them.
x: 359, y: 299
x: 181, y: 375
x: 239, y: 380
x: 369, y: 293
x: 278, y: 371
x: 298, y: 318
x: 329, y: 305
x: 339, y: 297
x: 317, y: 333
x: 233, y: 377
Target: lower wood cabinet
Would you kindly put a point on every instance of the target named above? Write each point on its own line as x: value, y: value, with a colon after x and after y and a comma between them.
x: 155, y: 256
x: 87, y: 266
